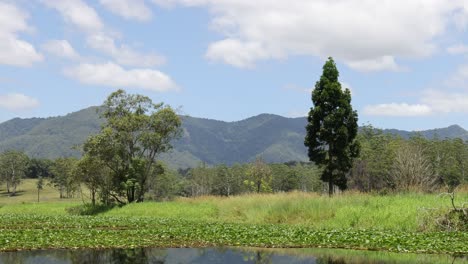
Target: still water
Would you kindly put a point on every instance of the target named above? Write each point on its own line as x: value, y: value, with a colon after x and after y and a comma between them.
x: 219, y: 255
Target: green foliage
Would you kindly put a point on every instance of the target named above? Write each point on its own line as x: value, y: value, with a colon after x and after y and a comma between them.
x: 164, y: 183
x: 96, y: 176
x: 136, y: 132
x: 372, y: 169
x: 39, y: 168
x: 332, y: 128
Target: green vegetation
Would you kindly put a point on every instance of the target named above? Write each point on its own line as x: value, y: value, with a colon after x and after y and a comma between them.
x: 402, y: 212
x: 33, y: 231
x: 400, y: 223
x: 98, y: 199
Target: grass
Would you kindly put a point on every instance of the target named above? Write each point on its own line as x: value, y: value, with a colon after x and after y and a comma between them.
x: 27, y: 193
x: 403, y: 212
x: 398, y: 222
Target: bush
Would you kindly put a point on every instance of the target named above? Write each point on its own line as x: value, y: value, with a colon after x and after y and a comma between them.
x: 89, y: 209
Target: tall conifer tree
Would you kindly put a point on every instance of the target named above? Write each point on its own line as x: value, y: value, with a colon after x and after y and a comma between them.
x: 332, y: 128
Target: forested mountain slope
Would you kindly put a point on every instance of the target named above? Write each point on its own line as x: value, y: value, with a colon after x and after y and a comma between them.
x: 275, y: 138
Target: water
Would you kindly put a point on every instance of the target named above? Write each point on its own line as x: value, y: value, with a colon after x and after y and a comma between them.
x: 219, y: 255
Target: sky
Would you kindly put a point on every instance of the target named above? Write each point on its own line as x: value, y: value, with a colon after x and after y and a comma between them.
x: 405, y: 61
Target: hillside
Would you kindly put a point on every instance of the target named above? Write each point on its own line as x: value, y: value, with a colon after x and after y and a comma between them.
x: 275, y: 138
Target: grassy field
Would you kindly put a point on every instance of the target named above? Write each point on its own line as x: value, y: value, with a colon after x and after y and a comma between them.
x: 402, y: 212
x: 399, y: 222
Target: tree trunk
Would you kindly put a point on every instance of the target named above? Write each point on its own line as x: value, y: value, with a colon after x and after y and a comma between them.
x: 93, y: 196
x: 330, y: 187
x: 37, y: 194
x: 14, y: 190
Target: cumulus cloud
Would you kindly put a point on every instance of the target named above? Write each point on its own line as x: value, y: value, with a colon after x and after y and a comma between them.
x: 128, y: 9
x: 111, y: 74
x: 398, y: 109
x: 365, y: 35
x: 14, y: 51
x: 123, y: 54
x: 61, y: 48
x: 85, y: 18
x: 17, y: 101
x: 77, y: 13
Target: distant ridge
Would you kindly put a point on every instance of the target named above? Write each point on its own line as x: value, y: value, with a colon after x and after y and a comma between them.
x: 275, y: 138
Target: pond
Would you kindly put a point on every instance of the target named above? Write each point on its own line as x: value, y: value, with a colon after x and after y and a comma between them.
x: 220, y: 255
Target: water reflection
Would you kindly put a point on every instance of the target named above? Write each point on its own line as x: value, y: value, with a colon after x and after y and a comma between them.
x: 218, y: 255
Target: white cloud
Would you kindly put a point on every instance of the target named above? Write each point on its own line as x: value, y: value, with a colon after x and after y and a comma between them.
x: 123, y: 54
x: 398, y: 109
x: 111, y: 74
x: 77, y: 13
x: 457, y: 49
x: 238, y: 53
x: 431, y: 102
x: 446, y: 102
x: 366, y: 35
x: 129, y: 9
x: 378, y: 64
x: 17, y: 101
x: 61, y: 48
x: 14, y: 51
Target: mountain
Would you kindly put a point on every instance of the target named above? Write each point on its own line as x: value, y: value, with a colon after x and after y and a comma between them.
x: 275, y: 138
x: 453, y: 131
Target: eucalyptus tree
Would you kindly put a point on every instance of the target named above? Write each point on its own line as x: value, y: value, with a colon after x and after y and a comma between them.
x: 332, y: 128
x: 13, y: 168
x: 259, y: 176
x: 64, y: 177
x: 135, y: 133
x: 96, y: 176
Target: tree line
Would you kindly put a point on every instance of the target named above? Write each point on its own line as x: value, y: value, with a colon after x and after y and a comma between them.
x: 387, y: 163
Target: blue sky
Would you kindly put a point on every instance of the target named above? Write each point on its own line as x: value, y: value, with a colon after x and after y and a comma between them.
x: 405, y: 62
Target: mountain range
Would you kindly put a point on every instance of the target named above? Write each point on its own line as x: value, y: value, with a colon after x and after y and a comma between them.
x: 275, y: 138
